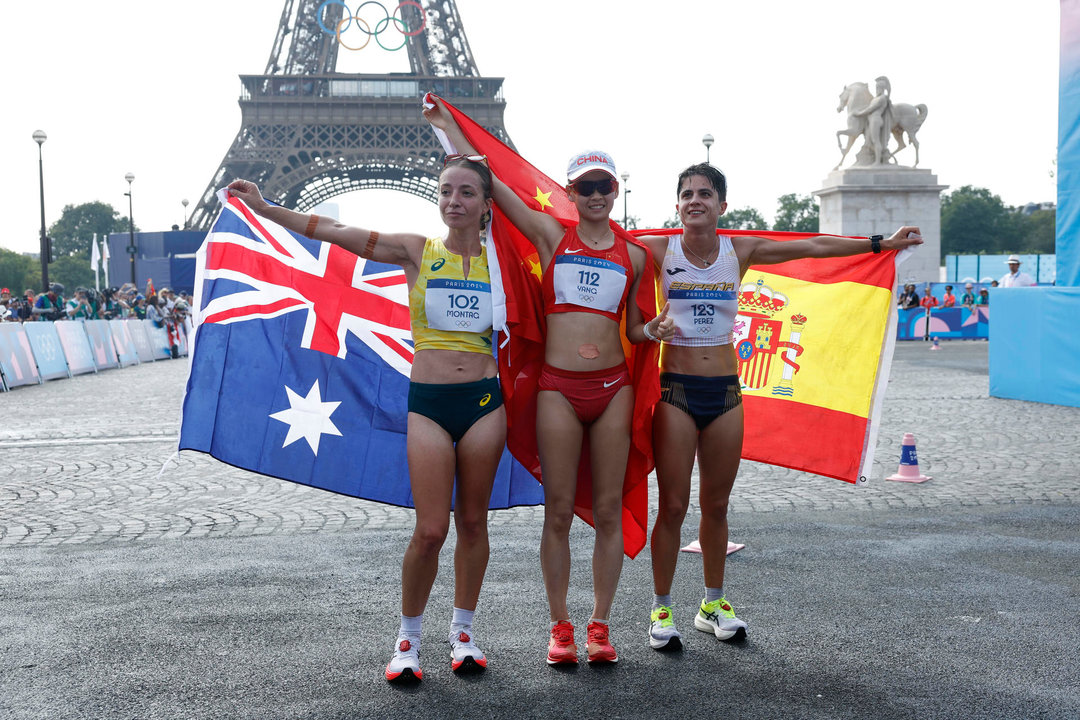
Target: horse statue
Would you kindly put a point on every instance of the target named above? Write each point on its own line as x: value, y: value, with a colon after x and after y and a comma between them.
x: 905, y: 119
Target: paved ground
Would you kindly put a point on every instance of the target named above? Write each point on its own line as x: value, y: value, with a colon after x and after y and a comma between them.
x: 204, y: 590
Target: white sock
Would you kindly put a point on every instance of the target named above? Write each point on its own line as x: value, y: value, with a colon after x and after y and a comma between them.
x: 661, y: 601
x: 713, y: 593
x: 411, y: 626
x: 462, y: 619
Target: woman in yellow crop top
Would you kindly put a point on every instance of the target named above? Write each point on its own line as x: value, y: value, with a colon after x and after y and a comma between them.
x: 457, y: 424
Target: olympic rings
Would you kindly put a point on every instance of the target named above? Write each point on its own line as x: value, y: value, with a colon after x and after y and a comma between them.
x: 380, y: 26
x: 464, y: 323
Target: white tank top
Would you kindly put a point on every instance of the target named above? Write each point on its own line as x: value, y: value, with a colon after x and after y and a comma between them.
x: 703, y: 301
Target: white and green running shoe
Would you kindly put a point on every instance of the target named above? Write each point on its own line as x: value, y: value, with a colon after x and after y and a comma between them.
x: 718, y: 618
x: 662, y: 632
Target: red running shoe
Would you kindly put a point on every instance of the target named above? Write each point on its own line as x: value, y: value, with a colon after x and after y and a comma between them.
x: 600, y: 650
x: 561, y: 647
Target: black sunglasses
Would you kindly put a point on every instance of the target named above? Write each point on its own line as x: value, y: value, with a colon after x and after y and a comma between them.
x: 586, y: 188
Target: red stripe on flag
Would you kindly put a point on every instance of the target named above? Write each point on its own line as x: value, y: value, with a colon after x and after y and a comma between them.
x: 260, y: 309
x: 803, y: 437
x: 395, y: 346
x: 266, y: 235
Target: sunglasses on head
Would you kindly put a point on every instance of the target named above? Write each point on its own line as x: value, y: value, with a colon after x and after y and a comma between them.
x: 588, y: 187
x: 482, y: 159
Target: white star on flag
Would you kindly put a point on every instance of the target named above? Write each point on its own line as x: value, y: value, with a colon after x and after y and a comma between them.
x: 307, y: 417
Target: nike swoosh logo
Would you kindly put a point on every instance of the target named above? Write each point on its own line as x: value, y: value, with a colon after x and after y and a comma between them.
x: 609, y: 384
x: 676, y: 271
x: 571, y: 252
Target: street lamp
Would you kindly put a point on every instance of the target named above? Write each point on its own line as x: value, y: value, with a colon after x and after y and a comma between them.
x: 40, y: 137
x: 184, y: 202
x: 707, y: 141
x: 625, y: 192
x: 130, y: 177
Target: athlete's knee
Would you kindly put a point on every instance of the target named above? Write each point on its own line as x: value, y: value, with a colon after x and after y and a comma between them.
x: 428, y: 538
x: 471, y: 529
x: 558, y: 519
x: 715, y: 508
x: 672, y: 510
x: 607, y: 518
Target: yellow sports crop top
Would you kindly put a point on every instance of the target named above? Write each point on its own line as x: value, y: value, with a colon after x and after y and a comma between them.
x: 447, y: 311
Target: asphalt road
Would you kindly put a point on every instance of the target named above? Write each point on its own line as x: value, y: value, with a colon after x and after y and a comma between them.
x: 207, y: 591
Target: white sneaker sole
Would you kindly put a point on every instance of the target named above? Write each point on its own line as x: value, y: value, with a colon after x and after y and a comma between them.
x: 671, y: 643
x: 705, y: 626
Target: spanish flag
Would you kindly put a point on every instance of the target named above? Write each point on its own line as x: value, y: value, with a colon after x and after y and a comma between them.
x: 515, y: 274
x: 815, y: 339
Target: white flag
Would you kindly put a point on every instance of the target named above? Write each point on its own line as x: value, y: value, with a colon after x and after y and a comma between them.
x: 105, y: 258
x: 95, y: 254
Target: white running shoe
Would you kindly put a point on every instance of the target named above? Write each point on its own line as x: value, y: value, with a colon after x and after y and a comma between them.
x: 718, y: 618
x: 405, y: 665
x: 662, y: 632
x: 464, y: 655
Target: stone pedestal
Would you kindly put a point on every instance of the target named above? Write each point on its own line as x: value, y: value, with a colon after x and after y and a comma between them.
x: 878, y: 200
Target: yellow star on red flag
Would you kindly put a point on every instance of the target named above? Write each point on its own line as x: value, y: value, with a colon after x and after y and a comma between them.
x: 543, y: 199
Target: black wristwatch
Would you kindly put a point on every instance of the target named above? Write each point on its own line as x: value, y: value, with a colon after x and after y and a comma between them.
x: 875, y: 242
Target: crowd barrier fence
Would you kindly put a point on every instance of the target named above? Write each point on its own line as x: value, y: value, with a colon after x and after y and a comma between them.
x: 33, y: 352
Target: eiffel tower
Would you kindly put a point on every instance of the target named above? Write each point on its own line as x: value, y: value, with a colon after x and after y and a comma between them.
x: 309, y: 133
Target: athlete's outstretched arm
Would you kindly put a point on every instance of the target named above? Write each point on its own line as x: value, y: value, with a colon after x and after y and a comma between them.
x: 402, y: 249
x: 541, y: 229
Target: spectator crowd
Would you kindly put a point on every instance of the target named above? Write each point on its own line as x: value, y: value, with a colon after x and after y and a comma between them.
x: 165, y: 308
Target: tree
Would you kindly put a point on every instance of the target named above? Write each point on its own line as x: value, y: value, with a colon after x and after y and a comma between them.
x: 1039, y: 229
x: 19, y: 272
x: 742, y: 219
x: 796, y: 213
x: 72, y: 233
x: 72, y: 271
x: 975, y: 221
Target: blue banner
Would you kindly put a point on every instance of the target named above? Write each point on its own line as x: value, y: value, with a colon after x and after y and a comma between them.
x: 48, y: 352
x: 80, y: 358
x: 16, y: 357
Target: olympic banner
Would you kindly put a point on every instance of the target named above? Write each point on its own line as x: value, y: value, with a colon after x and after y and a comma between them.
x: 16, y: 357
x: 122, y: 342
x: 159, y: 340
x: 48, y: 353
x: 80, y: 358
x: 140, y: 339
x: 101, y: 344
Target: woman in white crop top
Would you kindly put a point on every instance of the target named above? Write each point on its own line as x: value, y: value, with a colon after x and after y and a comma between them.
x: 700, y: 410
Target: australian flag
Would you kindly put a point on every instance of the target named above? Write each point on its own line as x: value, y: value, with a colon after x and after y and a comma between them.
x: 300, y: 364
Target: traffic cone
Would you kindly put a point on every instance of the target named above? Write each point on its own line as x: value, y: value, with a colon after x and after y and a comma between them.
x: 909, y: 463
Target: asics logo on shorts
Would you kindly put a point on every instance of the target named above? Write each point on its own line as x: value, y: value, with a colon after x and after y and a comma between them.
x: 483, y: 401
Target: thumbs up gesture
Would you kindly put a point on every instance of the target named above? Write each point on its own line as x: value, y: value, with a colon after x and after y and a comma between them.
x: 661, y: 327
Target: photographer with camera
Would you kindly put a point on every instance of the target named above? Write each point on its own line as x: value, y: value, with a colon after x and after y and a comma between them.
x: 50, y: 305
x: 82, y: 305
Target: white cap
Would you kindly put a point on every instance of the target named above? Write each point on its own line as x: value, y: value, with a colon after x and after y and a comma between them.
x: 588, y: 161
x: 1013, y: 259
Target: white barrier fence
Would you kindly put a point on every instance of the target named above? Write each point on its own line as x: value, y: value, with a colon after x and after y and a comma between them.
x: 34, y: 352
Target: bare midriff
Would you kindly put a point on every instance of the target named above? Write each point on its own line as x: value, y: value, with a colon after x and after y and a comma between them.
x: 709, y: 361
x: 582, y: 341
x: 451, y: 366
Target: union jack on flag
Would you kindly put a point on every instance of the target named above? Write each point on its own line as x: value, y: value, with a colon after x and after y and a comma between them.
x: 300, y: 364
